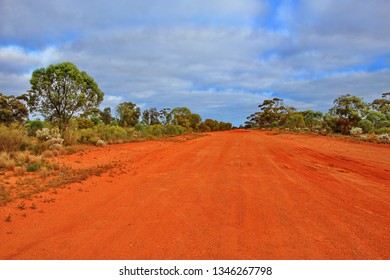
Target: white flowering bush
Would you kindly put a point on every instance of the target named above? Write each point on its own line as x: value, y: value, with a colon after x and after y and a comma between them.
x: 55, y: 141
x: 356, y: 131
x: 51, y: 136
x: 101, y: 143
x: 384, y: 137
x: 45, y: 134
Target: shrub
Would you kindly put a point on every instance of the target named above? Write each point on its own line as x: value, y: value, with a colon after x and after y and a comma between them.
x: 71, y: 135
x: 83, y: 123
x: 11, y: 138
x: 366, y: 125
x: 33, y: 126
x: 5, y: 196
x: 35, y: 159
x: 157, y: 130
x: 56, y: 142
x: 45, y: 134
x: 88, y: 136
x: 383, y: 130
x: 52, y: 137
x: 101, y: 143
x: 6, y: 162
x: 21, y: 205
x: 384, y: 124
x: 143, y: 129
x: 57, y: 148
x: 112, y: 134
x: 372, y: 137
x: 44, y: 172
x: 33, y: 167
x: 22, y: 158
x: 173, y: 130
x: 8, y: 218
x: 356, y: 131
x: 20, y: 170
x: 384, y: 137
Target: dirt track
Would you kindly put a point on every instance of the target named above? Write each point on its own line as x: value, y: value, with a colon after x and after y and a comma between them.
x: 230, y: 195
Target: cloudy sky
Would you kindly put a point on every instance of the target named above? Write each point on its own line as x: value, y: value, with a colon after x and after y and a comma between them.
x: 220, y: 58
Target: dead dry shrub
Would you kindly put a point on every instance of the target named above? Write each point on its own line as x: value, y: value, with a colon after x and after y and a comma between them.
x: 101, y: 143
x: 20, y: 170
x: 6, y: 162
x: 8, y: 218
x: 55, y: 166
x: 35, y: 159
x: 5, y: 195
x: 11, y: 138
x: 48, y: 154
x: 44, y: 172
x: 23, y: 157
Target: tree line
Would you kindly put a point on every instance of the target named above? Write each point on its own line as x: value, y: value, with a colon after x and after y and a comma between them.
x: 347, y: 113
x: 63, y: 95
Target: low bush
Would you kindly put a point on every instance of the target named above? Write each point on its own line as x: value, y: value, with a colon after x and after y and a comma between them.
x: 101, y: 143
x: 11, y: 138
x: 5, y: 195
x: 34, y: 167
x: 22, y: 157
x: 71, y: 134
x: 44, y: 172
x: 173, y: 130
x: 88, y: 136
x: 6, y: 162
x: 383, y: 130
x: 356, y: 131
x: 114, y: 134
x: 20, y: 170
x: 366, y: 125
x: 34, y: 125
x: 384, y: 137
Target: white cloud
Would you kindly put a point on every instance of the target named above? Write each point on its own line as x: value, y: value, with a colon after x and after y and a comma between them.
x: 17, y: 64
x: 219, y: 58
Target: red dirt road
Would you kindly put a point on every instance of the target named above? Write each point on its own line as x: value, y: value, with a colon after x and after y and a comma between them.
x: 230, y: 195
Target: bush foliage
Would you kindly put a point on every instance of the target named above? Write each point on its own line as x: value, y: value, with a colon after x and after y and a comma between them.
x: 350, y: 115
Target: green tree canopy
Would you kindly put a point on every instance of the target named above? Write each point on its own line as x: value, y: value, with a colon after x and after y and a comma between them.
x: 151, y: 116
x: 313, y: 119
x: 128, y: 113
x: 181, y: 116
x: 165, y: 116
x: 348, y: 110
x: 12, y: 109
x: 61, y: 91
x: 106, y: 116
x: 382, y: 105
x: 195, y: 120
x: 272, y: 112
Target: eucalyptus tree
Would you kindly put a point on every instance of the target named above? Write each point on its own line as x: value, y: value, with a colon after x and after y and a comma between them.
x: 60, y: 92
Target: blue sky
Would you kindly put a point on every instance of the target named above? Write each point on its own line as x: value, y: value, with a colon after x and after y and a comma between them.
x: 220, y: 58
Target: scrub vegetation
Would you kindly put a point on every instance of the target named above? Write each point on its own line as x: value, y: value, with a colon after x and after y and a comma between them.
x: 67, y: 99
x: 350, y: 115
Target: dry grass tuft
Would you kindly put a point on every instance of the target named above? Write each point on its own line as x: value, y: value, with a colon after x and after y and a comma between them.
x: 20, y: 170
x: 8, y: 218
x: 22, y: 157
x: 6, y: 162
x: 44, y: 172
x: 5, y: 196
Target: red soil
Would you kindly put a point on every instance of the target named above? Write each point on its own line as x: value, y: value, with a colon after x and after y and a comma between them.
x: 230, y: 195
